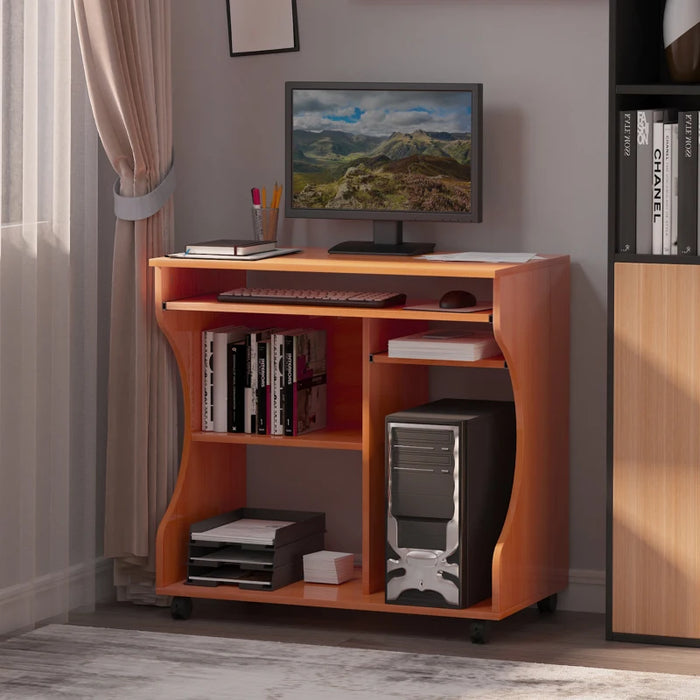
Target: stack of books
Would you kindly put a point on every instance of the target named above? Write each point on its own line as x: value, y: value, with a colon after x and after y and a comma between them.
x: 298, y: 381
x: 223, y: 376
x: 657, y: 182
x: 445, y: 344
x: 328, y: 567
x: 267, y: 381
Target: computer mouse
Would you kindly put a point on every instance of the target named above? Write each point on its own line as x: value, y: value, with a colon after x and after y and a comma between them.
x: 457, y: 299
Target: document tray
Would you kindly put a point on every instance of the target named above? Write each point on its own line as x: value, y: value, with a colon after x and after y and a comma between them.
x: 269, y: 554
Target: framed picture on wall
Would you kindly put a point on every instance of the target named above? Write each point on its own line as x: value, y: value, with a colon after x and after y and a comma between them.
x: 262, y: 26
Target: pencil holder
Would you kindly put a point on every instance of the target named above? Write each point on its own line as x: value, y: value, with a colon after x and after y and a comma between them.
x: 265, y: 223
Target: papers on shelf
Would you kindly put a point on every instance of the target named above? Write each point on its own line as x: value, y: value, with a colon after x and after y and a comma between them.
x: 245, y: 531
x: 328, y: 567
x: 445, y: 344
x: 480, y: 257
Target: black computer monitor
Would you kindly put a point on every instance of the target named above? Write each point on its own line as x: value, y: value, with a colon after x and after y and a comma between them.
x: 385, y: 152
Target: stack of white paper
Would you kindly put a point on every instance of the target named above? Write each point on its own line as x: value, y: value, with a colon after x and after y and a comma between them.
x: 445, y: 344
x: 481, y: 257
x: 245, y: 531
x: 327, y: 567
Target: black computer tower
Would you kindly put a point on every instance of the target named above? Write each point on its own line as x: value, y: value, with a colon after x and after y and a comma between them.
x: 449, y: 475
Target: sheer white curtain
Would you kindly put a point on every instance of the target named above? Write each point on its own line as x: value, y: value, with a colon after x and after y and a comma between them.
x: 48, y: 297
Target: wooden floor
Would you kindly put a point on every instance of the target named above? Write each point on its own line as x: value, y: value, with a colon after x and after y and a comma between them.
x: 561, y: 637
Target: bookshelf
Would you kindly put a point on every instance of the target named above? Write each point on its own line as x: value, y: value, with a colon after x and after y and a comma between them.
x: 653, y: 557
x: 530, y: 320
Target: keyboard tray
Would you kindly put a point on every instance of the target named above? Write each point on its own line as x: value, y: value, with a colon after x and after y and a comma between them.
x: 313, y: 297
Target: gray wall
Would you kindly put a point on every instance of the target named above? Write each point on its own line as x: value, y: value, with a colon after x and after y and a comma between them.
x: 544, y: 68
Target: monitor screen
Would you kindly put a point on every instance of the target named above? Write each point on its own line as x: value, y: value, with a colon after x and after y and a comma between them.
x: 386, y: 152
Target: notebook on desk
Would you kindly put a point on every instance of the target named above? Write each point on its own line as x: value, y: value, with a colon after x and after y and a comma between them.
x: 253, y: 256
x: 230, y: 246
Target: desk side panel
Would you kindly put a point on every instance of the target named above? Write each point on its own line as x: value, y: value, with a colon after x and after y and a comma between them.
x: 531, y: 325
x: 211, y: 478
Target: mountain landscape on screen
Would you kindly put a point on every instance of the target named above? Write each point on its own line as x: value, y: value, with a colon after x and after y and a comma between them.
x: 343, y: 160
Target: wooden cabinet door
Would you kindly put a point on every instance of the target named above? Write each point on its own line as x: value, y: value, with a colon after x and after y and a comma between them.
x: 656, y: 451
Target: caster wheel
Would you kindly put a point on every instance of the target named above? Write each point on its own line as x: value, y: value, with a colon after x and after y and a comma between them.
x: 478, y: 632
x: 548, y: 604
x: 181, y: 608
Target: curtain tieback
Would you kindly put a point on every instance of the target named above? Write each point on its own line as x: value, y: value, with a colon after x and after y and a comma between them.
x: 145, y: 205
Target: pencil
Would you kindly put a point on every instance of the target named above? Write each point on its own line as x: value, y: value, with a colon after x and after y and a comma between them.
x: 277, y: 196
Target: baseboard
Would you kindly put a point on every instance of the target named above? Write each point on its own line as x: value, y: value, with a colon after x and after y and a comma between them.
x: 586, y: 592
x: 105, y: 591
x: 49, y: 597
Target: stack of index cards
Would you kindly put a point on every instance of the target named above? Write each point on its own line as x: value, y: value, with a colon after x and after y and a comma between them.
x: 328, y: 567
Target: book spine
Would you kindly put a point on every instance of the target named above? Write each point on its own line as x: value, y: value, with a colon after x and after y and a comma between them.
x: 298, y: 369
x: 231, y: 386
x: 241, y: 369
x: 674, y: 188
x: 290, y: 344
x: 207, y: 380
x: 697, y: 149
x: 221, y: 341
x: 310, y: 391
x: 263, y: 381
x: 657, y: 183
x: 645, y: 119
x: 688, y: 183
x: 668, y: 188
x: 276, y: 375
x: 627, y: 183
x: 268, y: 387
x: 237, y: 372
x: 251, y: 383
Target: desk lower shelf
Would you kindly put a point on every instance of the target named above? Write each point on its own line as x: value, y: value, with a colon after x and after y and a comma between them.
x: 350, y: 439
x: 346, y: 596
x: 495, y: 362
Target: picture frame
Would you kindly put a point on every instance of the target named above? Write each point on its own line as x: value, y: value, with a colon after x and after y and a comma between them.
x: 256, y: 27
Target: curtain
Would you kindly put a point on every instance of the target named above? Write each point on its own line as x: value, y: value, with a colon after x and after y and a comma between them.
x: 48, y: 318
x: 126, y: 51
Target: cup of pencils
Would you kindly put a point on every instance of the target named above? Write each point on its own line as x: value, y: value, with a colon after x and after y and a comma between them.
x: 265, y: 218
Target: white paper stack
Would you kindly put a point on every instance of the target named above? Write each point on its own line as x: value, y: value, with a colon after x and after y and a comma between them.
x: 445, y: 344
x: 328, y: 567
x: 245, y: 531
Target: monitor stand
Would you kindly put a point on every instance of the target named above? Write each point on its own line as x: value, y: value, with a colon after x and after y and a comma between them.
x: 387, y: 240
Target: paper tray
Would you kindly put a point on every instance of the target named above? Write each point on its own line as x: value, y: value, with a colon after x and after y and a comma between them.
x: 254, y: 565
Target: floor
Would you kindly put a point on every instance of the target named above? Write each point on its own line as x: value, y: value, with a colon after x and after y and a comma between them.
x: 561, y: 637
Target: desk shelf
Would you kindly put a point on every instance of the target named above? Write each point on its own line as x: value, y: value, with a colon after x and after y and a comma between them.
x: 328, y: 439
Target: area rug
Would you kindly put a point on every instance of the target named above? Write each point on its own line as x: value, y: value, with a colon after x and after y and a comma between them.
x: 65, y: 661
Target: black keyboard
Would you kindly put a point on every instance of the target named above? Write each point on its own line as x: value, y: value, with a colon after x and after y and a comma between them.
x: 312, y: 297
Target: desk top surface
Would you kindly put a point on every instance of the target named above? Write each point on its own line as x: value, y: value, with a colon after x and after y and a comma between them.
x: 319, y: 260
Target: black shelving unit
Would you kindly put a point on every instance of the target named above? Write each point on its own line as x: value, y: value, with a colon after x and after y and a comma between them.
x: 647, y: 600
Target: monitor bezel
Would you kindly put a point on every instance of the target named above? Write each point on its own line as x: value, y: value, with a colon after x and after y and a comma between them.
x: 473, y: 216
